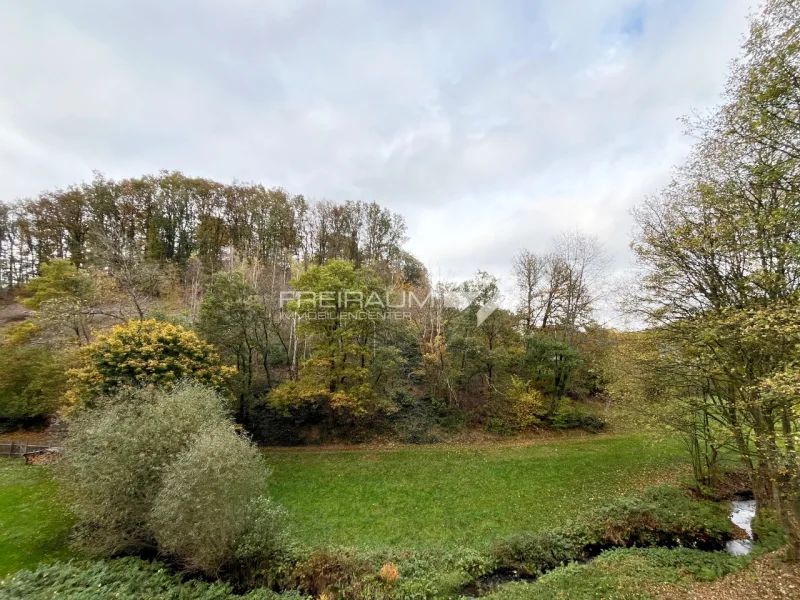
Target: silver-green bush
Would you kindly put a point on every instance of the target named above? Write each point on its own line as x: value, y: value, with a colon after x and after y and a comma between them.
x: 166, y: 470
x: 116, y: 457
x: 212, y: 504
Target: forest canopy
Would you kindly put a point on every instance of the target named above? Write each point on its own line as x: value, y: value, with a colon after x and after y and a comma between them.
x: 220, y: 259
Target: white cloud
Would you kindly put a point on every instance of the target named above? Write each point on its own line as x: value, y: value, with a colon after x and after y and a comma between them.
x: 489, y: 125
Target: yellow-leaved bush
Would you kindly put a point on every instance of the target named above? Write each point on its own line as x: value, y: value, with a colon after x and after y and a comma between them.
x: 140, y: 353
x: 521, y: 407
x: 526, y: 403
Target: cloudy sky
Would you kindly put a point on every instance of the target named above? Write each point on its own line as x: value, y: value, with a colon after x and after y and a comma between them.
x: 491, y: 125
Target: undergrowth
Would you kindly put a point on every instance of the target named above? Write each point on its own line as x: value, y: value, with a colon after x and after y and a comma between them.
x: 660, y: 537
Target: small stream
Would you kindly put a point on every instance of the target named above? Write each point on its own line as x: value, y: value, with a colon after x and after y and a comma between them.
x: 742, y: 515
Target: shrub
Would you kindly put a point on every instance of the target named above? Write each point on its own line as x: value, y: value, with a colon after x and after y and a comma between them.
x: 145, y: 352
x: 264, y: 553
x: 625, y: 573
x: 526, y: 404
x: 572, y: 418
x: 532, y: 553
x: 340, y: 574
x: 418, y: 420
x: 660, y: 516
x: 32, y: 380
x: 116, y: 458
x: 166, y: 470
x: 522, y: 407
x: 122, y: 579
x: 59, y: 280
x: 337, y: 574
x: 211, y: 497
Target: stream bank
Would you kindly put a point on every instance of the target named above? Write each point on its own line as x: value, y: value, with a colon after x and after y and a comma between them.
x: 740, y: 516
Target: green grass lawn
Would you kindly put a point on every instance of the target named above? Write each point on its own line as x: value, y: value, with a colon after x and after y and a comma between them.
x: 413, y: 497
x: 33, y: 525
x: 437, y: 496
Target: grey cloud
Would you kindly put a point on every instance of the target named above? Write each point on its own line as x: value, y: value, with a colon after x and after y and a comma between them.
x: 497, y: 119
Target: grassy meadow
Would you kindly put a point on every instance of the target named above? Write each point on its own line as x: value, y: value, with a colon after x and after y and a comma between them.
x: 416, y: 497
x: 409, y: 497
x: 34, y: 526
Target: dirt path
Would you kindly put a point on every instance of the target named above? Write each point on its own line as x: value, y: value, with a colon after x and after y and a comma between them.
x: 465, y: 442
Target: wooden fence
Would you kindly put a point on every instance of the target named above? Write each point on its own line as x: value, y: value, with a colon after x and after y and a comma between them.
x: 18, y: 449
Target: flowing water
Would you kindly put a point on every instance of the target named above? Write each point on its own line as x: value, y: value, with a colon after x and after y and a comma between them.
x: 742, y: 515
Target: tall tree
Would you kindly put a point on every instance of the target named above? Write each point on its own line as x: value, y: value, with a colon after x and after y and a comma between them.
x: 339, y: 308
x: 720, y: 252
x: 528, y: 269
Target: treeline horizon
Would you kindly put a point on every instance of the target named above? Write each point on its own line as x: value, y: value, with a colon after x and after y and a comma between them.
x: 218, y: 259
x: 172, y: 218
